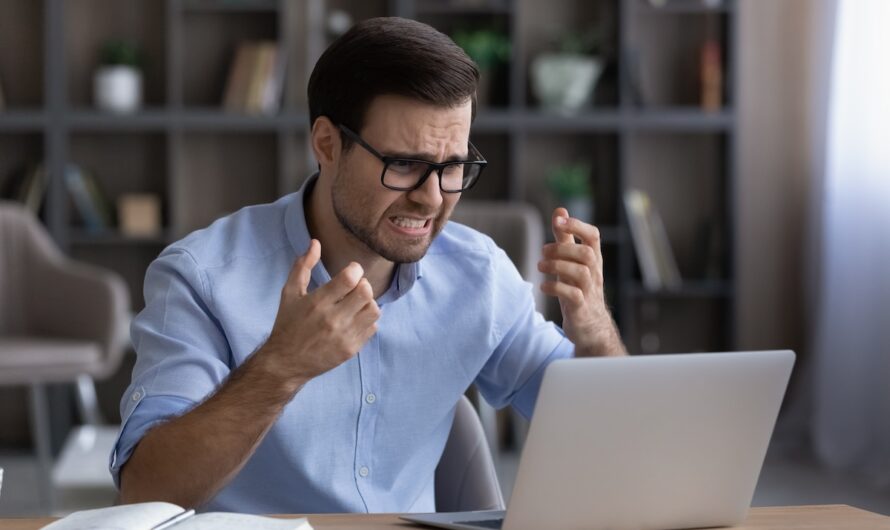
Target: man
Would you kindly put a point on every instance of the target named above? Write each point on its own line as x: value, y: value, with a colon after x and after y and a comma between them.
x: 307, y: 355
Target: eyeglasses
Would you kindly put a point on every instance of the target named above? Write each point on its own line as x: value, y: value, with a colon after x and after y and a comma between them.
x: 407, y: 174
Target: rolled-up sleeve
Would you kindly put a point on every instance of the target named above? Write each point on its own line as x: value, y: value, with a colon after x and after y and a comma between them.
x: 181, y: 352
x: 525, y: 343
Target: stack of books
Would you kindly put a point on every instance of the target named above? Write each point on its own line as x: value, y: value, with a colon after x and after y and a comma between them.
x: 256, y: 78
x: 654, y: 254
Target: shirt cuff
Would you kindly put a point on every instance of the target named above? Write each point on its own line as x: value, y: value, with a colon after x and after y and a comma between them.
x: 144, y: 413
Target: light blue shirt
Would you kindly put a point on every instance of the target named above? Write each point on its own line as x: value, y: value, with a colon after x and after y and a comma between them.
x: 367, y: 435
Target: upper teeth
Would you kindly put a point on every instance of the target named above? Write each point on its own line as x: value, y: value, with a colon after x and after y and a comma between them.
x: 409, y: 223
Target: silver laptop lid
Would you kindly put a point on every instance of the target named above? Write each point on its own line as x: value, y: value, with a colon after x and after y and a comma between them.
x: 648, y: 442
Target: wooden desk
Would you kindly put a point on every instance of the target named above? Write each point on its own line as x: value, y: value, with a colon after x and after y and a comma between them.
x: 829, y: 517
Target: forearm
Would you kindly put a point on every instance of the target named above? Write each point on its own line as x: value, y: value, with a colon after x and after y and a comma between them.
x: 188, y: 459
x: 604, y: 342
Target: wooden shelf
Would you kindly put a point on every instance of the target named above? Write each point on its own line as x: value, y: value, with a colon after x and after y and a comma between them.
x: 22, y: 120
x: 684, y: 7
x: 234, y: 6
x: 689, y: 289
x: 112, y: 237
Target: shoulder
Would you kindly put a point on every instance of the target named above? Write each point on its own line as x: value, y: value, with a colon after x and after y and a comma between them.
x: 252, y: 233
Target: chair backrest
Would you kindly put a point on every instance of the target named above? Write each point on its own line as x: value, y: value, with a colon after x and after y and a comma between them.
x: 465, y: 478
x: 44, y: 293
x: 515, y: 227
x: 24, y: 245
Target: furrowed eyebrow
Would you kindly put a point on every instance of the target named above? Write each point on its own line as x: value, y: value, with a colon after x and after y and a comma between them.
x: 426, y: 157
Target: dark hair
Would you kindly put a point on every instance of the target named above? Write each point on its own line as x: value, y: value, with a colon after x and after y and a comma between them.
x: 388, y: 56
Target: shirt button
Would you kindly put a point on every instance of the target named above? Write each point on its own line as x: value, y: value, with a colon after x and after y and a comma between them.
x: 370, y: 398
x: 136, y: 395
x: 364, y: 471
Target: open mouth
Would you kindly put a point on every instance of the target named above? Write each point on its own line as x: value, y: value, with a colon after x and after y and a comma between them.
x: 410, y: 225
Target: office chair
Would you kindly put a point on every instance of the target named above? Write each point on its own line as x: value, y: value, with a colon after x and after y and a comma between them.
x: 465, y: 477
x: 518, y: 229
x: 60, y: 321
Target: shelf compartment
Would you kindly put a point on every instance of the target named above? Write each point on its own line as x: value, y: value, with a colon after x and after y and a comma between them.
x: 22, y: 53
x: 542, y: 153
x: 686, y: 178
x: 664, y: 59
x: 676, y: 325
x: 219, y: 173
x: 209, y: 42
x: 137, y: 21
x: 543, y: 31
x: 120, y: 163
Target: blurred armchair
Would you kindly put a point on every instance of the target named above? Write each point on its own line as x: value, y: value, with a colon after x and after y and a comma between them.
x: 60, y: 321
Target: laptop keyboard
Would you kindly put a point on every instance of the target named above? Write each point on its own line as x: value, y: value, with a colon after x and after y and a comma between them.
x: 484, y: 523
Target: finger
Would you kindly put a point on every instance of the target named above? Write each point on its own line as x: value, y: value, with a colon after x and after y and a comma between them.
x: 301, y: 272
x: 583, y: 254
x: 357, y: 298
x: 343, y: 283
x: 569, y: 272
x: 569, y: 295
x: 558, y: 222
x: 587, y: 233
x: 368, y: 315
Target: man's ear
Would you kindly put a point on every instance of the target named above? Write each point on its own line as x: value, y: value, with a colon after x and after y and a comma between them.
x: 325, y: 141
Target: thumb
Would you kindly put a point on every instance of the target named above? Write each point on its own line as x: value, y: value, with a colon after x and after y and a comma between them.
x: 301, y: 273
x: 559, y: 230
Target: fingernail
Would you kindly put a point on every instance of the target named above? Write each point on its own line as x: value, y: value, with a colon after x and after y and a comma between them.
x: 561, y: 220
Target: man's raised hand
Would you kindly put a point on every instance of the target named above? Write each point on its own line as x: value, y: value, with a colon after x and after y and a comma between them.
x: 316, y: 332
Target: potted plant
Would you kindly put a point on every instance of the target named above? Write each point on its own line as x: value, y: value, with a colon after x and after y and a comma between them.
x: 564, y: 80
x: 490, y: 50
x: 117, y: 84
x: 570, y: 186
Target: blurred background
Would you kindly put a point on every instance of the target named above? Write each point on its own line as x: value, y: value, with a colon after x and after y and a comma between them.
x: 733, y: 154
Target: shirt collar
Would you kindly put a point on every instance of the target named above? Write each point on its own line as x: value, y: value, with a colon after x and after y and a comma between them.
x: 297, y: 230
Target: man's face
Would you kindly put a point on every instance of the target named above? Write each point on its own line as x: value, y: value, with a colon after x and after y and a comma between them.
x: 398, y: 225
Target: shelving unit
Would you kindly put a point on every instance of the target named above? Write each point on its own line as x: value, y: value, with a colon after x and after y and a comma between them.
x: 204, y: 162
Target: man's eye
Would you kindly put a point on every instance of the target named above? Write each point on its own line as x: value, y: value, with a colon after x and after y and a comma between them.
x: 404, y: 166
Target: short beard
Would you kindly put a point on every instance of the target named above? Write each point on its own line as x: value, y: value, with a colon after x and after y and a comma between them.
x: 366, y: 235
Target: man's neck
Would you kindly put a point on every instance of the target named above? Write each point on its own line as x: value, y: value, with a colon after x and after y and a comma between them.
x: 338, y: 247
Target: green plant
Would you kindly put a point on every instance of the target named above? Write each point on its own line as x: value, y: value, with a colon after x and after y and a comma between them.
x: 570, y: 180
x: 120, y: 53
x: 487, y: 47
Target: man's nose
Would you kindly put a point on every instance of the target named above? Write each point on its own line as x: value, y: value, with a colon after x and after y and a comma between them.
x: 429, y: 194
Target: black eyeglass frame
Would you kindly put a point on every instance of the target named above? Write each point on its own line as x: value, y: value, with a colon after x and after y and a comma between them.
x: 438, y: 167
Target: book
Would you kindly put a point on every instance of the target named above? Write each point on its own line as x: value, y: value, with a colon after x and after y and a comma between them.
x: 162, y: 515
x: 88, y: 210
x: 635, y: 203
x: 239, y: 77
x: 256, y: 78
x: 658, y: 264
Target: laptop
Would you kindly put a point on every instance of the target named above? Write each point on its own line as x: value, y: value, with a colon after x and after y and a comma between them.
x: 643, y: 442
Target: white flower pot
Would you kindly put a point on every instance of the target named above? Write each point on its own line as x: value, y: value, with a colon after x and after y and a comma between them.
x: 118, y: 89
x: 564, y: 82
